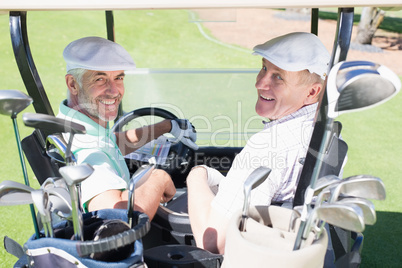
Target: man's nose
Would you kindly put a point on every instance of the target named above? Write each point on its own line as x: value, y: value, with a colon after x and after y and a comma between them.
x: 263, y: 82
x: 112, y: 88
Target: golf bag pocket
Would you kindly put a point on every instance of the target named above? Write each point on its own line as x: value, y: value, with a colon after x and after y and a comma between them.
x: 268, y: 241
x: 108, y: 242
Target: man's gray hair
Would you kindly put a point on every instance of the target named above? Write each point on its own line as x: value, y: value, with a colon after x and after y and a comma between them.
x: 77, y: 73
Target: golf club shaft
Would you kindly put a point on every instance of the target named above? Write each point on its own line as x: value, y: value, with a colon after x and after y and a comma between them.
x: 24, y: 171
x: 76, y: 214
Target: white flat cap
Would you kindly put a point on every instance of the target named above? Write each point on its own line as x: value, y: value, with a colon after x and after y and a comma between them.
x: 296, y: 52
x: 97, y: 54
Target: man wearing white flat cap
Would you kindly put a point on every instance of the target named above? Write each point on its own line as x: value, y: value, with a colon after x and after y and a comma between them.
x: 289, y: 84
x: 95, y: 81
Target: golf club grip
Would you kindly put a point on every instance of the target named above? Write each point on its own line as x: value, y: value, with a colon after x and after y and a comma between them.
x: 116, y: 241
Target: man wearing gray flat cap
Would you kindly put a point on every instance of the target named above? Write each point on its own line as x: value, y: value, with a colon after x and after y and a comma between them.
x: 95, y: 81
x: 289, y: 84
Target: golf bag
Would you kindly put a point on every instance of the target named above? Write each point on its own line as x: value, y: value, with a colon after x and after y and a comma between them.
x: 108, y: 242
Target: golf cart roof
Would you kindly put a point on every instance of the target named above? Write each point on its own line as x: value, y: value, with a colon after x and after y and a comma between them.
x: 25, y: 5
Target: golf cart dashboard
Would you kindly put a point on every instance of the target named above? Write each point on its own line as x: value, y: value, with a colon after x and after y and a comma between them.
x: 219, y: 158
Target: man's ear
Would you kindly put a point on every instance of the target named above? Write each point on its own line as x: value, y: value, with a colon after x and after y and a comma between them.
x: 313, y: 94
x: 72, y: 85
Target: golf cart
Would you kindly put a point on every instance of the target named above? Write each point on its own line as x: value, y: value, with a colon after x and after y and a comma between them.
x: 219, y: 148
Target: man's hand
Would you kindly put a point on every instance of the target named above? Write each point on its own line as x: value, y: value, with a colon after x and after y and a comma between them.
x: 184, y: 131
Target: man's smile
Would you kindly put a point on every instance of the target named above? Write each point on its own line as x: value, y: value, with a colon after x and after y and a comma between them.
x: 108, y: 102
x: 265, y: 98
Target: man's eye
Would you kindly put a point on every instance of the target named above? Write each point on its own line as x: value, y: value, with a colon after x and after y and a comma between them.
x: 264, y: 68
x: 277, y: 76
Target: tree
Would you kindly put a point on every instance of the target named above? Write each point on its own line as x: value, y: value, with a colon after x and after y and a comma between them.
x: 370, y: 20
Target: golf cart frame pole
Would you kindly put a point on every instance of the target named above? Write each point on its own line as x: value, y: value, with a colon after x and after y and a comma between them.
x: 112, y: 37
x: 25, y: 62
x: 110, y: 25
x: 324, y: 125
x: 314, y: 21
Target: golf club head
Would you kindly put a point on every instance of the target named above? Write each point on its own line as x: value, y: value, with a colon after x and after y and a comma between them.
x: 54, y: 182
x: 325, y: 181
x: 14, y: 193
x: 324, y: 195
x: 41, y: 201
x: 48, y: 183
x: 346, y: 216
x: 258, y: 176
x: 76, y: 174
x: 12, y: 102
x: 358, y: 85
x: 56, y: 148
x: 364, y: 186
x: 366, y: 206
x: 51, y: 124
x: 60, y: 199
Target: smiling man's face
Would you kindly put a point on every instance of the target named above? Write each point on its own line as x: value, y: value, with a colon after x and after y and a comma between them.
x: 280, y: 92
x: 100, y: 95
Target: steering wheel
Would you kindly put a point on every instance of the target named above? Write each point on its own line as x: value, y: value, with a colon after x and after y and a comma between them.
x: 179, y: 154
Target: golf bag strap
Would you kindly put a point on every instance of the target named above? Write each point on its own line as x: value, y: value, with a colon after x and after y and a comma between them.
x: 116, y: 241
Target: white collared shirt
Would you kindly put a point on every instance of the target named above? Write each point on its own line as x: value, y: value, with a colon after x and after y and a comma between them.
x: 281, y: 146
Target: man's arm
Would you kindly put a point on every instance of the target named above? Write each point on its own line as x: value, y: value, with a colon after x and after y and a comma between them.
x: 158, y: 188
x: 132, y: 139
x: 208, y: 225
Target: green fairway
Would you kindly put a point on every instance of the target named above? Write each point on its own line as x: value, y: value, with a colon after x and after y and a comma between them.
x: 373, y: 136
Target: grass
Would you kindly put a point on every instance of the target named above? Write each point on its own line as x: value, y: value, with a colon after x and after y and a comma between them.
x: 392, y: 21
x: 373, y: 136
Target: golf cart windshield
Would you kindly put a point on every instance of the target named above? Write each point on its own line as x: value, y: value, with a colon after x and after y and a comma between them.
x: 215, y: 90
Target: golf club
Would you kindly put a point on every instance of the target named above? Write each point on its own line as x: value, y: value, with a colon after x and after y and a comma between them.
x: 14, y: 193
x: 357, y: 188
x: 53, y: 125
x: 139, y: 177
x: 56, y: 148
x: 40, y: 199
x: 325, y: 181
x: 54, y: 182
x: 321, y: 184
x: 346, y: 216
x: 364, y: 186
x: 366, y: 206
x: 63, y: 154
x: 59, y: 197
x: 256, y: 177
x: 61, y: 203
x: 73, y: 176
x: 347, y: 90
x: 12, y: 102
